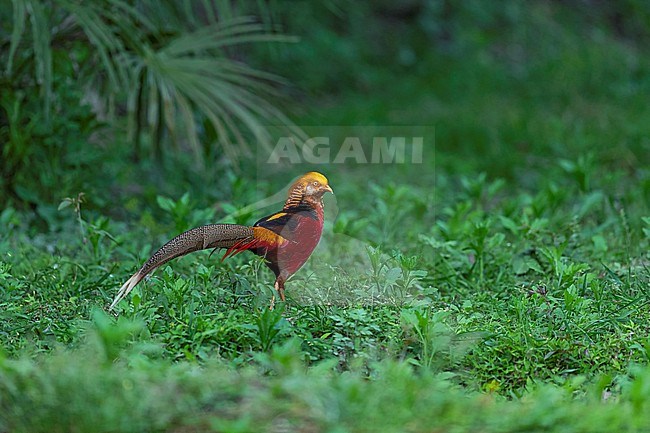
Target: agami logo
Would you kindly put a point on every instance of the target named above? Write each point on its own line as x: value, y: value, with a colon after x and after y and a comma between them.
x: 374, y: 150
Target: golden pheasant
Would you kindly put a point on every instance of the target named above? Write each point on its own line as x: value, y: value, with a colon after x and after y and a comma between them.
x: 285, y: 239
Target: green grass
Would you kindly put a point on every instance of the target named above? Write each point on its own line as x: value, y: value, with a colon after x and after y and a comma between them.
x: 142, y: 393
x: 502, y: 285
x: 485, y: 293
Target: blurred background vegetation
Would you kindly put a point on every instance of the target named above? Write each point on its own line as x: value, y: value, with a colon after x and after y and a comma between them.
x: 123, y: 99
x: 510, y: 267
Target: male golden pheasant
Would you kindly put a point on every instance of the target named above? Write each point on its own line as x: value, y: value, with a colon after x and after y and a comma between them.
x: 285, y: 239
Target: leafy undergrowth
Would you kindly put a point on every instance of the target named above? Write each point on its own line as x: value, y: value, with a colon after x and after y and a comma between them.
x: 467, y: 301
x: 501, y: 285
x: 109, y: 384
x: 504, y: 311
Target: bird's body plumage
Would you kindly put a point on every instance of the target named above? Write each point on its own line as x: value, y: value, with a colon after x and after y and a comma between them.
x: 300, y: 230
x: 285, y: 239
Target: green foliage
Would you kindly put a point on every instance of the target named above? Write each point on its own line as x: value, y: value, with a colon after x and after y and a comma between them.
x: 184, y: 212
x: 501, y: 285
x: 141, y: 392
x: 268, y: 325
x: 168, y: 65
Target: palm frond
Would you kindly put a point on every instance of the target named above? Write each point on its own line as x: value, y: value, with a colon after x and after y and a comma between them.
x: 226, y: 92
x: 42, y: 51
x: 224, y: 34
x: 20, y: 16
x: 104, y: 38
x: 170, y: 72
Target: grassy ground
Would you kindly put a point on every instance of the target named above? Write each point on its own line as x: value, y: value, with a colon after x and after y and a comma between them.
x: 502, y: 285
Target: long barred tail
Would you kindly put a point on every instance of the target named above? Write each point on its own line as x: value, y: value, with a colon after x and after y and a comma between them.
x: 200, y: 238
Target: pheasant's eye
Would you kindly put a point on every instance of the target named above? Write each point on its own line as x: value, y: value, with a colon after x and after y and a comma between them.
x: 316, y: 183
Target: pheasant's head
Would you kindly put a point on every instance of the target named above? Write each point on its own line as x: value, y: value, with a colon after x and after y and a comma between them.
x: 310, y: 188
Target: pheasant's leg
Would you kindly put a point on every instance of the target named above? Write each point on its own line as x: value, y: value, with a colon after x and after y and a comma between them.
x: 279, y: 286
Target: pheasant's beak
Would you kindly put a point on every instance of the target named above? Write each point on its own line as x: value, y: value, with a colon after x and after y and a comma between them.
x: 328, y: 188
